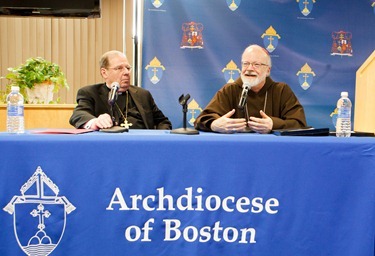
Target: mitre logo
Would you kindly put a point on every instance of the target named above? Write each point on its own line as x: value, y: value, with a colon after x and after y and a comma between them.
x: 157, y: 3
x: 155, y: 70
x: 305, y: 76
x: 306, y: 6
x: 39, y: 215
x: 233, y: 4
x: 333, y: 116
x: 270, y: 39
x: 193, y: 111
x: 231, y: 72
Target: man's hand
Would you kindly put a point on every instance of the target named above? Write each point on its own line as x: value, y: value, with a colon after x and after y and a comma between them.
x: 101, y: 122
x: 261, y: 125
x: 225, y: 124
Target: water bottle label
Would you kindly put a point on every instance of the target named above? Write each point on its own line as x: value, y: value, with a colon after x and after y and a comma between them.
x: 15, y: 110
x: 344, y: 112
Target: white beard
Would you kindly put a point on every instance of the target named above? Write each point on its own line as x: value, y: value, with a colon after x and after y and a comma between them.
x: 253, y: 81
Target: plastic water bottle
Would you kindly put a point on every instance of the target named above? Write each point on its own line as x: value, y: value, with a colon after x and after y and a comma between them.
x: 343, y: 124
x: 15, y: 111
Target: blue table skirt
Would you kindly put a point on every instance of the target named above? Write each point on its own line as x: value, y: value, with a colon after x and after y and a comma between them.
x: 155, y: 193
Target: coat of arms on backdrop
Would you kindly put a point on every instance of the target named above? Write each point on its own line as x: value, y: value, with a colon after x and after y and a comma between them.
x: 233, y: 4
x: 306, y: 6
x: 231, y: 72
x: 39, y: 215
x: 341, y: 44
x: 155, y: 70
x: 157, y: 3
x: 270, y: 39
x: 192, y: 35
x: 305, y: 76
x: 194, y: 111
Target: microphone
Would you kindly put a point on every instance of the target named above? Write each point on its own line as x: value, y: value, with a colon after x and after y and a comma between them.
x: 112, y: 95
x: 245, y: 88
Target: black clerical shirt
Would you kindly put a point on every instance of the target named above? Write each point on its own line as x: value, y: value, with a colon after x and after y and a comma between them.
x: 128, y: 109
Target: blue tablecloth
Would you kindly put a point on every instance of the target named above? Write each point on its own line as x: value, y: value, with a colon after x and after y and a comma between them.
x: 155, y: 193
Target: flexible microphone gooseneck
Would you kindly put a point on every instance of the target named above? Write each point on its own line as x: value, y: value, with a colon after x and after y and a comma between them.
x: 245, y: 88
x: 112, y: 95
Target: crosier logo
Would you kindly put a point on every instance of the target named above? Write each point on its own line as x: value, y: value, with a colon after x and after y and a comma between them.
x: 39, y: 215
x: 196, y: 202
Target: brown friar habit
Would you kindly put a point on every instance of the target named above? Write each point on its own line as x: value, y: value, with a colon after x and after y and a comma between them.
x: 276, y: 99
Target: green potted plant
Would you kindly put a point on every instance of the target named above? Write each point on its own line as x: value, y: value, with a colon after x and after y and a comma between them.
x: 3, y: 96
x: 38, y: 80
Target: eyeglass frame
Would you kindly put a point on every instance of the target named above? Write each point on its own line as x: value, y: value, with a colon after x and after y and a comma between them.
x: 121, y: 68
x: 256, y: 65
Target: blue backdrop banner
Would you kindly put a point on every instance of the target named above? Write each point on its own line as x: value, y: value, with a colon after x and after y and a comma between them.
x: 195, y: 47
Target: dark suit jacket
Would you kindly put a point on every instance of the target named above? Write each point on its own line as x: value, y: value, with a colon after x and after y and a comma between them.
x: 93, y: 101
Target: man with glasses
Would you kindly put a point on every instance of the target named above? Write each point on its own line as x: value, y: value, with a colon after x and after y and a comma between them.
x: 268, y: 105
x: 134, y: 107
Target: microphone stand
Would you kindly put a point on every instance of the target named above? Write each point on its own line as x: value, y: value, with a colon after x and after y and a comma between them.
x: 111, y: 113
x: 115, y: 128
x: 183, y: 101
x: 246, y: 114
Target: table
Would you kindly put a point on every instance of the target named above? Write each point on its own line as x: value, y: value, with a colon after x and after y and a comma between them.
x: 42, y: 116
x: 155, y: 193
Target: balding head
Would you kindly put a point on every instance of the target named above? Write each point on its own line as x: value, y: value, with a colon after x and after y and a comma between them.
x: 259, y: 51
x: 106, y: 57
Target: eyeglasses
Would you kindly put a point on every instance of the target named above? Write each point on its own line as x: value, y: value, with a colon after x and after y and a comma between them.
x: 122, y: 68
x: 256, y: 65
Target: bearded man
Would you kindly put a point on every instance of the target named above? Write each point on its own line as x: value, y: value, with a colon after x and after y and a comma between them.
x: 268, y: 105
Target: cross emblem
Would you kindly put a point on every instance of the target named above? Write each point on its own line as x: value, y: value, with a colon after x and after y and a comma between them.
x: 126, y: 124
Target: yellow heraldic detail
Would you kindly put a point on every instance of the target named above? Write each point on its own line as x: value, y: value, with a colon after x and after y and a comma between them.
x: 194, y: 109
x: 271, y: 32
x: 157, y: 3
x: 306, y: 11
x: 306, y: 69
x: 233, y: 6
x: 154, y: 64
x: 231, y: 66
x: 334, y: 112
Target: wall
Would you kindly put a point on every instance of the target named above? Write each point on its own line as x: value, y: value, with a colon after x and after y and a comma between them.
x: 75, y: 44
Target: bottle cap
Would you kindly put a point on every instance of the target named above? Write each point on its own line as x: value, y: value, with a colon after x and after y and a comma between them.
x: 344, y: 94
x: 15, y: 88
